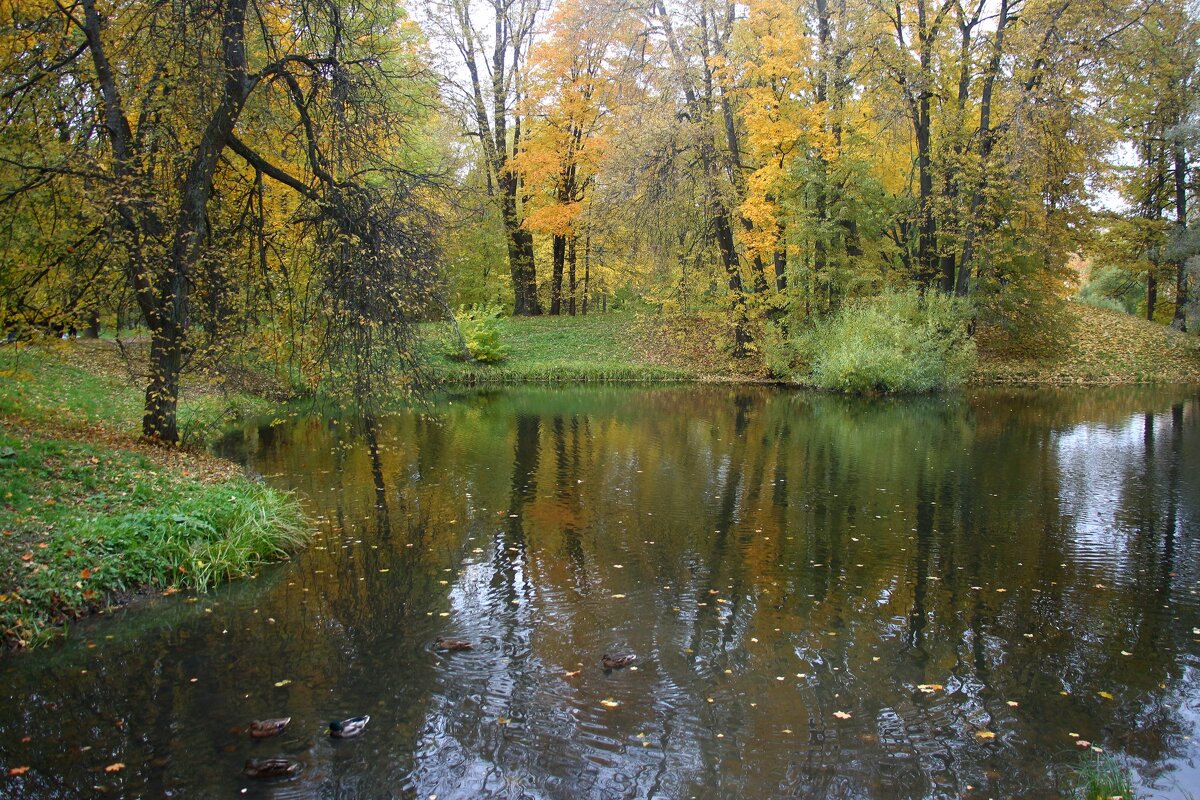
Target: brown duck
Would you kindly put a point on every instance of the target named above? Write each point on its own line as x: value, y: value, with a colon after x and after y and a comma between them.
x: 452, y: 644
x: 616, y: 662
x: 270, y: 767
x: 262, y: 728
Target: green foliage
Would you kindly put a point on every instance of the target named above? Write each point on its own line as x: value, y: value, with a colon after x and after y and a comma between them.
x: 120, y: 525
x: 1114, y: 289
x: 479, y: 326
x: 1099, y: 776
x: 898, y: 342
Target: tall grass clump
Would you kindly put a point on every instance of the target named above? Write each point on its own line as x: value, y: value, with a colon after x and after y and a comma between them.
x: 120, y: 525
x: 896, y: 342
x: 1099, y: 776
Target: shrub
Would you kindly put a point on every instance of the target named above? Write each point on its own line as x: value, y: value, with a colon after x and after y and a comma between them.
x: 479, y: 326
x: 1099, y: 777
x: 899, y: 342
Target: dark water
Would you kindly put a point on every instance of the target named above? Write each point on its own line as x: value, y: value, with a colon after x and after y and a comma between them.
x: 776, y: 561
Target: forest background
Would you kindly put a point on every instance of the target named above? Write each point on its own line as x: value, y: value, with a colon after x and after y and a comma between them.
x: 296, y: 186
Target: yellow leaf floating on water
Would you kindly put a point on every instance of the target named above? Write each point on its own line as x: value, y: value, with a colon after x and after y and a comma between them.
x: 1106, y: 695
x: 608, y: 702
x: 1126, y: 653
x: 117, y: 767
x: 842, y: 714
x: 1012, y: 703
x: 930, y: 688
x: 984, y: 735
x: 618, y: 597
x: 282, y: 683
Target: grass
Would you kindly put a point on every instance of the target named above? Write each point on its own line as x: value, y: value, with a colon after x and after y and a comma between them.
x: 617, y: 346
x: 1099, y: 776
x: 90, y: 515
x: 86, y: 382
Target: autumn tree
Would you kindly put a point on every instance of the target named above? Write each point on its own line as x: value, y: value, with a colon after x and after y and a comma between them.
x: 492, y: 43
x: 177, y: 108
x: 576, y: 79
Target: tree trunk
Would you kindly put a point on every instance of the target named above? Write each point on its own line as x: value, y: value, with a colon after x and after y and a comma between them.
x: 1179, y: 322
x: 162, y: 393
x: 571, y: 275
x: 558, y: 262
x: 587, y: 271
x: 780, y: 268
x: 1151, y: 295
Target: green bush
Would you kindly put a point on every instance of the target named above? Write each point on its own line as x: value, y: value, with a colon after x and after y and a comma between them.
x: 1114, y: 289
x: 900, y: 342
x: 479, y: 326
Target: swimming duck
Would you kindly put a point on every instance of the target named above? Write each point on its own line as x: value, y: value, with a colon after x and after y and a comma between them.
x: 348, y: 727
x: 452, y: 644
x: 270, y: 767
x: 616, y: 662
x: 262, y: 728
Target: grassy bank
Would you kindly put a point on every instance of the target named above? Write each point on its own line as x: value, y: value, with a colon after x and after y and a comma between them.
x: 618, y: 346
x: 91, y: 516
x: 1103, y: 348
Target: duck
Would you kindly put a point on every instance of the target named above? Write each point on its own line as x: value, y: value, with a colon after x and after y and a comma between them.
x: 616, y: 662
x: 270, y: 767
x: 452, y: 644
x: 346, y: 728
x: 262, y: 728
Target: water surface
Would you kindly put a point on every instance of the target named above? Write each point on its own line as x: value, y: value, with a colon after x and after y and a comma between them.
x: 826, y: 597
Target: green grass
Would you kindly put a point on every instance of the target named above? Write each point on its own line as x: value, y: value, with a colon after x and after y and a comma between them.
x: 84, y: 383
x: 598, y: 347
x: 86, y: 525
x: 83, y: 525
x: 1099, y: 776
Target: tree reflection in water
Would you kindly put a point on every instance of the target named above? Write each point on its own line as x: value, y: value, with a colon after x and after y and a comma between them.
x: 772, y: 558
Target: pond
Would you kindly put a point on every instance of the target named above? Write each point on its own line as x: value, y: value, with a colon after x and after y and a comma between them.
x: 827, y: 597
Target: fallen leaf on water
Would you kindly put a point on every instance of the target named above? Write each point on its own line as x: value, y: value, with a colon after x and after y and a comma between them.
x: 1106, y: 695
x: 984, y: 735
x: 572, y: 674
x: 1126, y: 653
x: 929, y: 688
x: 117, y: 767
x: 608, y: 702
x: 842, y: 714
x: 1082, y: 743
x: 1012, y: 703
x: 502, y: 720
x: 17, y: 771
x: 282, y: 683
x: 618, y: 597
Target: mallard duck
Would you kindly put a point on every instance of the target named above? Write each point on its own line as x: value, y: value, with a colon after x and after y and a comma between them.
x: 452, y: 644
x: 616, y: 662
x: 348, y: 727
x: 270, y: 767
x: 262, y: 728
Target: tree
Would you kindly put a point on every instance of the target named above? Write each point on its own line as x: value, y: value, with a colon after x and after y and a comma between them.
x: 490, y: 102
x: 298, y: 92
